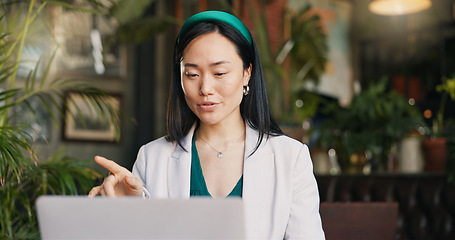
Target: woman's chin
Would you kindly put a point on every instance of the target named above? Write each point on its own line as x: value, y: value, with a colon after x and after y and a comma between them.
x: 209, y: 121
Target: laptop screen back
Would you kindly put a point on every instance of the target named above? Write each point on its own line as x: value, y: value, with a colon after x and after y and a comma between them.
x: 80, y: 217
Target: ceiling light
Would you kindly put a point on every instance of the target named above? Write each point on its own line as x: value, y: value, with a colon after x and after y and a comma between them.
x: 398, y: 7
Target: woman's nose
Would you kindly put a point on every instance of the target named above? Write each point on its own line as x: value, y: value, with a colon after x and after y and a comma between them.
x: 206, y: 87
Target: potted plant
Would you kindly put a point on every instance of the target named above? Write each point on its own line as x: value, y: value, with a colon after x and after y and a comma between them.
x: 298, y: 58
x: 364, y: 132
x: 435, y: 147
x: 24, y: 175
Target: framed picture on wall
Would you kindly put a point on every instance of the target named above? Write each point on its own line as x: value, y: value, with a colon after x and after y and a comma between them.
x: 83, y: 120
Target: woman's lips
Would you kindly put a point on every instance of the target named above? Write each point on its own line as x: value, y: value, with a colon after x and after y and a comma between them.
x: 208, y: 106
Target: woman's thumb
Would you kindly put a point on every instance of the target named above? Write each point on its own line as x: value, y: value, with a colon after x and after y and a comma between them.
x: 133, y: 183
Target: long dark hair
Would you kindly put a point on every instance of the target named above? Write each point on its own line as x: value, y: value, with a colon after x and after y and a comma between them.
x: 254, y: 107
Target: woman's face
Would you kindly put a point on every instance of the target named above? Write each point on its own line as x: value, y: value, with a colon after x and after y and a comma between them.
x: 213, y: 78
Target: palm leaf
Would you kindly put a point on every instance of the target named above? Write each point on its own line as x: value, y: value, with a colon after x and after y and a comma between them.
x: 22, y: 177
x: 12, y: 142
x: 300, y: 58
x: 57, y: 176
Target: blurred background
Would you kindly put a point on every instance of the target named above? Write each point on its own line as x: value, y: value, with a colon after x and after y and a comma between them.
x: 318, y: 56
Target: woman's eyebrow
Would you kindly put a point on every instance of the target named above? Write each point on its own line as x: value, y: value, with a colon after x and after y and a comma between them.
x: 190, y: 65
x: 212, y: 64
x: 219, y: 63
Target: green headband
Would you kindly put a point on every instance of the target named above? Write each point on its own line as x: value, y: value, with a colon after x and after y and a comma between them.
x: 224, y: 17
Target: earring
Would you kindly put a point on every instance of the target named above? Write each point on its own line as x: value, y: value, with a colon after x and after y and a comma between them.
x: 246, y: 90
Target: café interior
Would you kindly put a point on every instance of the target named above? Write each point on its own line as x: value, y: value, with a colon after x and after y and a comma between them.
x: 369, y: 86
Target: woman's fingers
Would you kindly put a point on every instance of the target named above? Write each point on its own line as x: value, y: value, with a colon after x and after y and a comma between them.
x: 109, y: 165
x: 109, y: 185
x: 95, y: 191
x: 134, y: 183
x: 119, y: 182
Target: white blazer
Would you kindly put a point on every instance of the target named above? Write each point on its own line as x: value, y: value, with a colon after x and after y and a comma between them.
x: 280, y: 193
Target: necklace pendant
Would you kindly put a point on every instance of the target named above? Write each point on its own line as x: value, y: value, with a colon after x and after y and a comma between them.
x: 220, y: 155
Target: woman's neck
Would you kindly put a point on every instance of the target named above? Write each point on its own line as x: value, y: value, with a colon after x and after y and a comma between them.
x: 222, y: 132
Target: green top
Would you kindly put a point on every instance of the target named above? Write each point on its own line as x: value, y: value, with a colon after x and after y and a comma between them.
x: 198, y: 186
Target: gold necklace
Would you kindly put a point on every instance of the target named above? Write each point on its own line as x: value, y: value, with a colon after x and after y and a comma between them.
x: 220, y: 154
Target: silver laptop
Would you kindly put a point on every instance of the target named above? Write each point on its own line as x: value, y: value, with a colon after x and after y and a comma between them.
x: 80, y: 217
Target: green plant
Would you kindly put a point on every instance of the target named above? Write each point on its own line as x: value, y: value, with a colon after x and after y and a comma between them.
x: 299, y: 58
x: 441, y: 128
x: 373, y: 122
x: 23, y: 174
x: 447, y: 89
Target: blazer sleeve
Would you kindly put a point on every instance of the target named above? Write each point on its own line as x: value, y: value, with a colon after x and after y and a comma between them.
x: 304, y: 220
x: 139, y: 171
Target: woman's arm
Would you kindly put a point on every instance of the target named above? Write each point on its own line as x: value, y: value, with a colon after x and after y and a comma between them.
x: 304, y: 220
x: 139, y: 170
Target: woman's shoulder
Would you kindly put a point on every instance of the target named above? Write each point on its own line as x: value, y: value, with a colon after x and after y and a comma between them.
x: 160, y: 144
x: 159, y: 141
x: 287, y: 151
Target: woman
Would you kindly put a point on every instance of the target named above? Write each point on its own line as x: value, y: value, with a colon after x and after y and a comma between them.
x: 222, y: 140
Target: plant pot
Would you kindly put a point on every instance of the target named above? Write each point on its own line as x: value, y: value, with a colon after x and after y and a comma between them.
x: 411, y: 155
x: 325, y: 161
x: 435, y: 150
x: 321, y: 161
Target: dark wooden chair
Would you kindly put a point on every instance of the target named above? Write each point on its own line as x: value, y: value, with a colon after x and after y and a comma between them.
x: 359, y: 220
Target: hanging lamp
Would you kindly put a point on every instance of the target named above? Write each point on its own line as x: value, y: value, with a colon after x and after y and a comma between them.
x: 398, y: 7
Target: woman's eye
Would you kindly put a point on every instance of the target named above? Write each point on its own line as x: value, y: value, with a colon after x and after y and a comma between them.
x: 219, y: 74
x: 190, y: 75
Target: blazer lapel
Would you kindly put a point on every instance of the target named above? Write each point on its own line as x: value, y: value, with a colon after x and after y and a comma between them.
x: 179, y: 168
x: 257, y: 178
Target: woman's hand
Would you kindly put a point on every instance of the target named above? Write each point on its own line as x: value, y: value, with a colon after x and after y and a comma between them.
x: 120, y: 181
